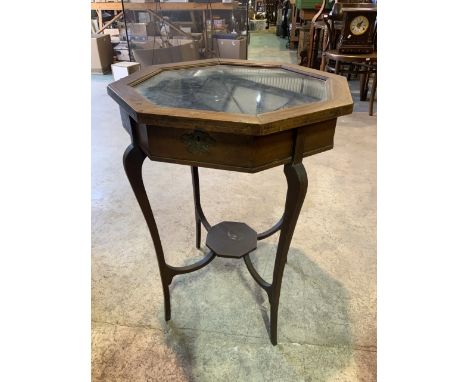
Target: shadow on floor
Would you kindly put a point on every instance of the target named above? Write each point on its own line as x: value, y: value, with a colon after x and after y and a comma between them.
x: 220, y: 318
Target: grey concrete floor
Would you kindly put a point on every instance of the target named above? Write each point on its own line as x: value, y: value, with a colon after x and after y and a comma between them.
x: 327, y: 315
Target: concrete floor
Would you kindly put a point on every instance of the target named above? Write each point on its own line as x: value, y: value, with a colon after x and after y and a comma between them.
x: 327, y: 315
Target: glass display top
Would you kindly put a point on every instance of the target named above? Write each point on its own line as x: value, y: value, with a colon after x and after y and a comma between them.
x: 232, y: 89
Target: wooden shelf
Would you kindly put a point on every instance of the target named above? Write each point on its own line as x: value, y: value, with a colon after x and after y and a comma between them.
x: 106, y: 6
x: 117, y: 6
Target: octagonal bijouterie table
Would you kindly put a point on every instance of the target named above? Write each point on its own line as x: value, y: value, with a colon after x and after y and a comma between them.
x: 231, y: 115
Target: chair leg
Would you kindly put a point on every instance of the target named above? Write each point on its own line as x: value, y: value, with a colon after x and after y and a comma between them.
x: 324, y: 48
x: 364, y: 86
x: 372, y: 95
x: 311, y: 46
x: 316, y: 47
x: 350, y: 71
x: 326, y: 66
x: 337, y: 67
x: 322, y: 63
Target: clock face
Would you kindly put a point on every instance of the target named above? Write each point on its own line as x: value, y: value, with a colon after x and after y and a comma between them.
x: 359, y: 25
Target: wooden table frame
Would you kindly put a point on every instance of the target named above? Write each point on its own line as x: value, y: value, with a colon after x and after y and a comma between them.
x: 268, y: 140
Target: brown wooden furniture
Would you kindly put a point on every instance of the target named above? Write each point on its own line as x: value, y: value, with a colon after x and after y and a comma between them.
x: 313, y: 39
x: 321, y: 37
x: 293, y: 38
x: 351, y: 41
x: 233, y: 115
x: 300, y: 19
x: 349, y: 28
x: 302, y: 44
x: 368, y: 69
x: 362, y: 64
x: 358, y: 26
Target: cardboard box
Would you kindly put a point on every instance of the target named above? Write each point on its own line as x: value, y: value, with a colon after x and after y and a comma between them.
x: 101, y: 53
x: 124, y: 69
x: 227, y: 48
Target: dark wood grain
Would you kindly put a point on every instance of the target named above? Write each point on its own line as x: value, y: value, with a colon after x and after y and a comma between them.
x: 230, y: 151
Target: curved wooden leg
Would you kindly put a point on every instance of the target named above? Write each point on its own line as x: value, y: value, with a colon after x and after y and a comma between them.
x: 199, y: 215
x: 133, y: 161
x: 196, y: 200
x: 197, y: 233
x: 297, y: 188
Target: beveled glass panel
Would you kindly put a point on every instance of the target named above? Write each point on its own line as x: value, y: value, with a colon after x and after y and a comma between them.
x: 232, y: 89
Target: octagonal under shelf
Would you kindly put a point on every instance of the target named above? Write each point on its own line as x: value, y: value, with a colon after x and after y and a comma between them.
x: 231, y: 239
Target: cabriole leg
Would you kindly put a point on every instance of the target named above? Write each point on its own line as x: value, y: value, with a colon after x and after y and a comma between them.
x: 133, y: 161
x: 297, y: 188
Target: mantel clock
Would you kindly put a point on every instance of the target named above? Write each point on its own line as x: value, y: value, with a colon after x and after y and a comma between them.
x: 358, y: 20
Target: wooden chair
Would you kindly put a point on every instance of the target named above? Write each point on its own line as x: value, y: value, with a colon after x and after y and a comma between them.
x: 348, y: 63
x: 315, y: 34
x: 364, y: 65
